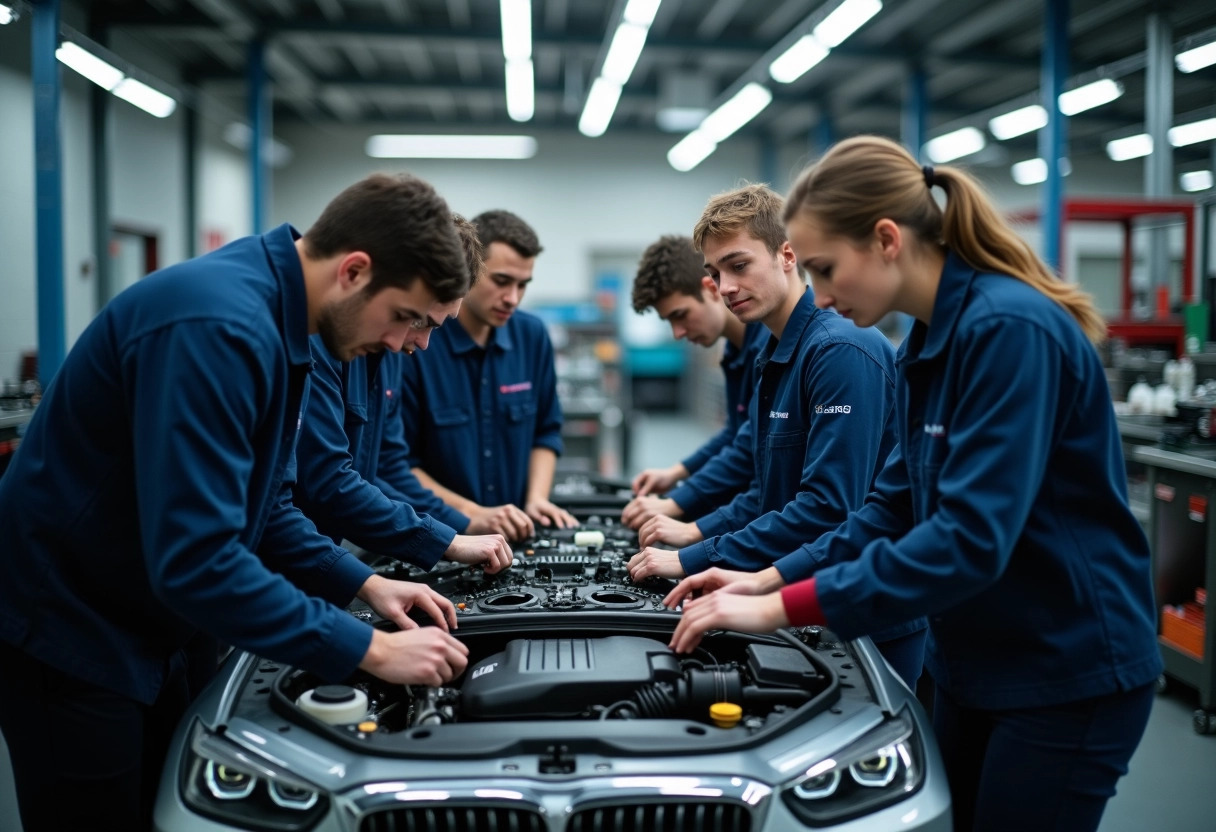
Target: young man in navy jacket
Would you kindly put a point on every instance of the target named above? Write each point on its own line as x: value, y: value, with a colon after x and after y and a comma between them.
x: 146, y: 505
x: 480, y: 411
x: 671, y: 279
x: 820, y: 419
x: 354, y: 480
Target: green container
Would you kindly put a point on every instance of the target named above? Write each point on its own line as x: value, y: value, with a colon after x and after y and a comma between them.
x: 1195, y: 316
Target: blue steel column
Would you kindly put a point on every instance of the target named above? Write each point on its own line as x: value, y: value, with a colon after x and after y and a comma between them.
x: 190, y: 129
x: 48, y: 188
x: 1054, y: 137
x: 259, y: 118
x: 1159, y: 165
x: 823, y: 135
x: 915, y: 121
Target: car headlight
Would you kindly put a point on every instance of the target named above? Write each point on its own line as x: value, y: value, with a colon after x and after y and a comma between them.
x: 218, y: 784
x: 883, y: 767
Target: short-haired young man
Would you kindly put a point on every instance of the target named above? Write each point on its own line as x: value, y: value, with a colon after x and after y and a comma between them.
x: 821, y: 419
x: 671, y: 279
x: 146, y: 504
x: 353, y: 478
x: 480, y: 408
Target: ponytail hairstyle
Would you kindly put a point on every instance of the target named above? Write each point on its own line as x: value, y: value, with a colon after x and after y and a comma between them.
x: 862, y: 180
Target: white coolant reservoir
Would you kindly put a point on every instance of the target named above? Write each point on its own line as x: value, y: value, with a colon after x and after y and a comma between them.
x: 594, y: 539
x: 334, y: 704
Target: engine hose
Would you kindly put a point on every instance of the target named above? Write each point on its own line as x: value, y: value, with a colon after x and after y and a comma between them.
x: 655, y: 700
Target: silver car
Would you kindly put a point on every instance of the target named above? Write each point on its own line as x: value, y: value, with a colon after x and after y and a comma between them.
x: 572, y: 716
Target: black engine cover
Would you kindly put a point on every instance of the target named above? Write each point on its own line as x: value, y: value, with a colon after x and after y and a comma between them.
x: 562, y: 677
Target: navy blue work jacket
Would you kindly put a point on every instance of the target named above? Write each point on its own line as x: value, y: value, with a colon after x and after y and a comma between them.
x: 1003, y: 515
x: 338, y: 458
x: 153, y: 468
x: 472, y: 415
x: 821, y: 425
x: 722, y: 467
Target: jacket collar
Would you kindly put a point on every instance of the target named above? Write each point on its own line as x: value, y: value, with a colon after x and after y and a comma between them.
x: 927, y: 342
x: 800, y: 319
x: 500, y: 337
x: 280, y: 245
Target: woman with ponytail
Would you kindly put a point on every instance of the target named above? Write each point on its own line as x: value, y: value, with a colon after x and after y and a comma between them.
x: 1002, y: 514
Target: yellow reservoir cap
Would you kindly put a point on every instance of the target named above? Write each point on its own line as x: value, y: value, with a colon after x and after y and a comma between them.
x: 368, y: 727
x: 725, y: 714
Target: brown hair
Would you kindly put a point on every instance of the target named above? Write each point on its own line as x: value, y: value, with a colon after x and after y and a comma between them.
x: 867, y: 178
x: 753, y: 208
x: 505, y: 227
x: 403, y: 225
x: 474, y: 251
x: 669, y: 265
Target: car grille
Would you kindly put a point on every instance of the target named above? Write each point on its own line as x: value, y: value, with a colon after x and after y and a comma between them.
x: 453, y: 819
x: 705, y: 816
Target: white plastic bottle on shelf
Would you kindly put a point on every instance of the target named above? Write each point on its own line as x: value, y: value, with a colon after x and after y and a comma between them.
x: 1140, y: 397
x: 1186, y: 378
x: 1164, y: 398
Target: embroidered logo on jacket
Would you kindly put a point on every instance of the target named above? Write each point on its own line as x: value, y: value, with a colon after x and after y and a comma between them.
x: 518, y: 387
x: 936, y: 431
x: 833, y: 408
x: 778, y: 414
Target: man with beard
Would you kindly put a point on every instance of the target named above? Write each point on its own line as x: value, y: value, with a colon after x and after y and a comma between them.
x: 353, y: 476
x: 480, y: 409
x: 146, y: 505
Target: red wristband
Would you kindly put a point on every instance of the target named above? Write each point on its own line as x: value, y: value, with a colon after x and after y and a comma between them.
x: 801, y: 602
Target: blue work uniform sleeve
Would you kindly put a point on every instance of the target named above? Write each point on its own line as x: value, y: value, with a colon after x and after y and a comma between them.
x: 724, y: 477
x: 331, y: 492
x: 712, y: 446
x: 193, y: 434
x: 548, y: 408
x: 395, y: 477
x: 887, y: 512
x: 993, y: 465
x: 736, y: 514
x: 838, y: 466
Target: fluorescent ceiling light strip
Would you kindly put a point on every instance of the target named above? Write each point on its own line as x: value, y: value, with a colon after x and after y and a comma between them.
x: 400, y: 146
x: 1193, y: 133
x: 846, y: 19
x: 516, y: 29
x: 623, y: 52
x: 737, y: 111
x: 797, y: 60
x: 521, y: 91
x: 6, y: 14
x: 89, y: 65
x: 690, y: 151
x: 1029, y: 172
x: 955, y: 145
x: 601, y: 104
x: 1197, y: 58
x: 641, y: 12
x: 1196, y: 180
x: 1131, y: 147
x: 145, y: 98
x: 1089, y: 96
x: 1020, y: 121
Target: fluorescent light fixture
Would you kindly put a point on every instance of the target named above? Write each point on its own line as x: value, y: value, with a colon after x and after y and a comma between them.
x: 521, y: 92
x: 795, y: 61
x: 516, y: 29
x: 88, y: 65
x: 145, y: 98
x: 641, y: 12
x: 960, y: 143
x: 1131, y: 147
x: 7, y: 15
x: 1089, y: 96
x: 737, y: 111
x: 601, y: 104
x: 1033, y: 171
x: 623, y: 52
x: 1197, y: 58
x: 1196, y: 180
x: 691, y: 150
x: 1018, y: 122
x: 401, y: 146
x: 1193, y: 133
x: 846, y: 19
